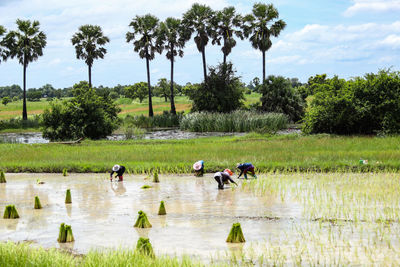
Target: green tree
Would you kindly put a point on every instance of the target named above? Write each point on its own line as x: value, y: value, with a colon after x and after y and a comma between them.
x: 138, y: 90
x: 162, y: 89
x: 85, y: 115
x: 89, y: 42
x: 260, y: 26
x: 222, y: 93
x: 5, y: 100
x: 172, y: 37
x: 2, y: 52
x: 226, y: 24
x: 145, y: 29
x: 27, y: 45
x: 33, y: 95
x: 198, y: 19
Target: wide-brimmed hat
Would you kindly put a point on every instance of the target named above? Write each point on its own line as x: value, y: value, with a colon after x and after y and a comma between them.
x: 197, y: 166
x: 228, y: 171
x: 237, y: 165
x: 116, y: 167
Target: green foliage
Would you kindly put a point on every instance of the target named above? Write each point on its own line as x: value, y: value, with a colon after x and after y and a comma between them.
x: 155, y: 178
x: 37, y: 205
x: 138, y: 90
x: 164, y: 120
x: 363, y: 105
x: 144, y: 247
x: 85, y: 115
x: 223, y: 91
x: 65, y: 234
x: 142, y: 221
x: 10, y: 212
x: 236, y: 234
x: 34, y: 121
x: 33, y: 95
x: 237, y: 121
x: 5, y: 100
x: 2, y: 177
x: 279, y: 96
x: 68, y: 199
x: 65, y: 172
x: 146, y: 186
x: 161, y: 209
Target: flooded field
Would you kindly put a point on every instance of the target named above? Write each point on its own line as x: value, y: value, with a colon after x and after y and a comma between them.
x: 279, y: 225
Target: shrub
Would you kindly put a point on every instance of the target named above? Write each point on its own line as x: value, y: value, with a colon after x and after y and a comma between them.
x: 237, y: 121
x: 34, y: 121
x: 85, y: 115
x: 223, y: 91
x: 164, y: 120
x: 279, y: 96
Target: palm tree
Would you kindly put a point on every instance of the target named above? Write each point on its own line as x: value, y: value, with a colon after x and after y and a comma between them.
x: 226, y: 24
x: 2, y: 53
x: 261, y: 25
x: 172, y: 36
x: 144, y: 34
x: 89, y: 42
x: 198, y: 19
x: 27, y: 45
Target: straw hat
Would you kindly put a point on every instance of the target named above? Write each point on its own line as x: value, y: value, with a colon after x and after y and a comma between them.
x: 197, y: 166
x: 116, y: 167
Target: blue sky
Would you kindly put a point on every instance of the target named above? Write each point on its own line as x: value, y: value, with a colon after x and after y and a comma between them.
x: 344, y: 37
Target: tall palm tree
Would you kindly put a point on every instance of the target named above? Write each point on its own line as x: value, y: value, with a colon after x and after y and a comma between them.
x: 172, y: 37
x: 226, y: 24
x: 261, y: 25
x: 27, y: 45
x: 89, y: 42
x: 198, y: 19
x: 144, y: 35
x: 2, y: 52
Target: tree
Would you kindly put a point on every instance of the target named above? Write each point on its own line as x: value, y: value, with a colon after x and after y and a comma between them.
x: 222, y: 93
x: 260, y: 26
x: 172, y: 37
x: 162, y: 89
x: 2, y: 52
x: 33, y: 95
x: 85, y: 115
x: 144, y: 34
x: 5, y: 100
x: 89, y: 42
x: 226, y: 24
x: 27, y: 45
x: 138, y: 90
x: 198, y: 19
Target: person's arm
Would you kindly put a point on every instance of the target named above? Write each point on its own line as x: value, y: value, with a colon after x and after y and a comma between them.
x: 241, y: 172
x: 232, y: 181
x: 111, y: 174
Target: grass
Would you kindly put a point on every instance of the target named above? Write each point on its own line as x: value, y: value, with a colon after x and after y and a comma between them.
x: 267, y: 153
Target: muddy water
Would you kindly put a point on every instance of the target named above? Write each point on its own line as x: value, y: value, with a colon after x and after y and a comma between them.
x: 102, y: 214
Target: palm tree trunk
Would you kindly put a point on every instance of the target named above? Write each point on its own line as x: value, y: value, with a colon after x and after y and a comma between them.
x: 173, y: 110
x: 263, y: 53
x: 24, y: 112
x: 203, y: 53
x: 224, y: 51
x: 90, y: 76
x: 148, y: 84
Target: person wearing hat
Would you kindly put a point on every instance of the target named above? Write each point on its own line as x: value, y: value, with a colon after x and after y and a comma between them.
x: 120, y: 172
x: 246, y: 168
x: 198, y: 168
x: 223, y: 178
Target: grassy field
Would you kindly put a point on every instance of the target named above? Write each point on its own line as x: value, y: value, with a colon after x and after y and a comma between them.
x: 267, y: 153
x: 182, y: 103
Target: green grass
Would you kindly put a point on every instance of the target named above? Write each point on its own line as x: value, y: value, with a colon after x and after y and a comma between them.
x: 267, y: 153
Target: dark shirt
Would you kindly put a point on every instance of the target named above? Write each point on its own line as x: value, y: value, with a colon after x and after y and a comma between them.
x: 222, y: 178
x: 120, y: 172
x: 243, y: 167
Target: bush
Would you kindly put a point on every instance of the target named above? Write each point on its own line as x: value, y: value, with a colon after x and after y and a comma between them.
x: 363, y: 105
x: 237, y: 121
x: 85, y: 115
x: 279, y: 96
x: 164, y: 120
x: 222, y: 93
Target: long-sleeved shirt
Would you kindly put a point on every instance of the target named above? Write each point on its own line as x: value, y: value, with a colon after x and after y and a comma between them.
x: 120, y: 172
x: 222, y: 178
x: 243, y: 167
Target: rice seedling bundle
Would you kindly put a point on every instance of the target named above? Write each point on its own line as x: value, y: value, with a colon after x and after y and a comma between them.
x: 38, y: 205
x: 10, y: 212
x: 155, y: 178
x: 143, y: 246
x: 142, y: 221
x: 68, y: 199
x: 146, y: 186
x: 65, y: 172
x: 2, y: 177
x: 236, y: 234
x: 65, y: 234
x: 161, y: 209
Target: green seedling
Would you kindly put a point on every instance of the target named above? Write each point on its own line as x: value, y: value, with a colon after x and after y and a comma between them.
x: 65, y: 234
x: 10, y: 212
x: 236, y: 234
x: 155, y: 178
x: 65, y: 172
x: 144, y: 247
x: 2, y: 177
x: 142, y: 221
x: 161, y: 210
x: 146, y: 186
x: 68, y: 199
x: 38, y: 205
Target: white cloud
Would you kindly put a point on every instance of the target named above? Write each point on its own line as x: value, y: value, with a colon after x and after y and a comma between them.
x: 360, y: 6
x: 392, y: 41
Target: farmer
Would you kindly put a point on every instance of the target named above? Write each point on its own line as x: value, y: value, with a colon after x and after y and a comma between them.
x: 223, y: 178
x: 198, y: 168
x: 246, y: 168
x: 120, y: 172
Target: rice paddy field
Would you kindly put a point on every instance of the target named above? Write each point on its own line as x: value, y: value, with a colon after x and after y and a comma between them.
x: 288, y: 219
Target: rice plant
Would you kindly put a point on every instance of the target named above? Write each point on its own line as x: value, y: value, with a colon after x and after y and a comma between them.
x: 144, y: 247
x: 161, y: 209
x: 236, y: 234
x: 10, y: 212
x: 142, y: 221
x: 155, y: 178
x: 65, y: 172
x: 37, y: 205
x: 68, y: 198
x: 65, y: 234
x: 2, y: 177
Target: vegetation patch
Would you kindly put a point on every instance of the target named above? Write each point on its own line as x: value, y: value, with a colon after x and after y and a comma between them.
x: 68, y: 199
x: 144, y: 247
x: 10, y: 212
x: 161, y: 209
x: 38, y: 205
x: 65, y: 235
x: 142, y: 221
x: 236, y: 234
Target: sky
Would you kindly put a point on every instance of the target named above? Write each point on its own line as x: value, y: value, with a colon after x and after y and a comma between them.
x: 347, y: 38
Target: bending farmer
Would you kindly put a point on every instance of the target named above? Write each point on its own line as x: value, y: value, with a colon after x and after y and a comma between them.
x: 120, y: 172
x: 198, y: 168
x: 246, y: 168
x: 223, y: 178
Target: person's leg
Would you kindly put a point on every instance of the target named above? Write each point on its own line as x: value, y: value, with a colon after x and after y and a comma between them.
x: 120, y: 178
x: 219, y: 181
x: 252, y: 172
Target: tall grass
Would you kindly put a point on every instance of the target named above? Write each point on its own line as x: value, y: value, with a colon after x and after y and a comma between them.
x: 34, y: 121
x: 237, y: 121
x: 157, y: 121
